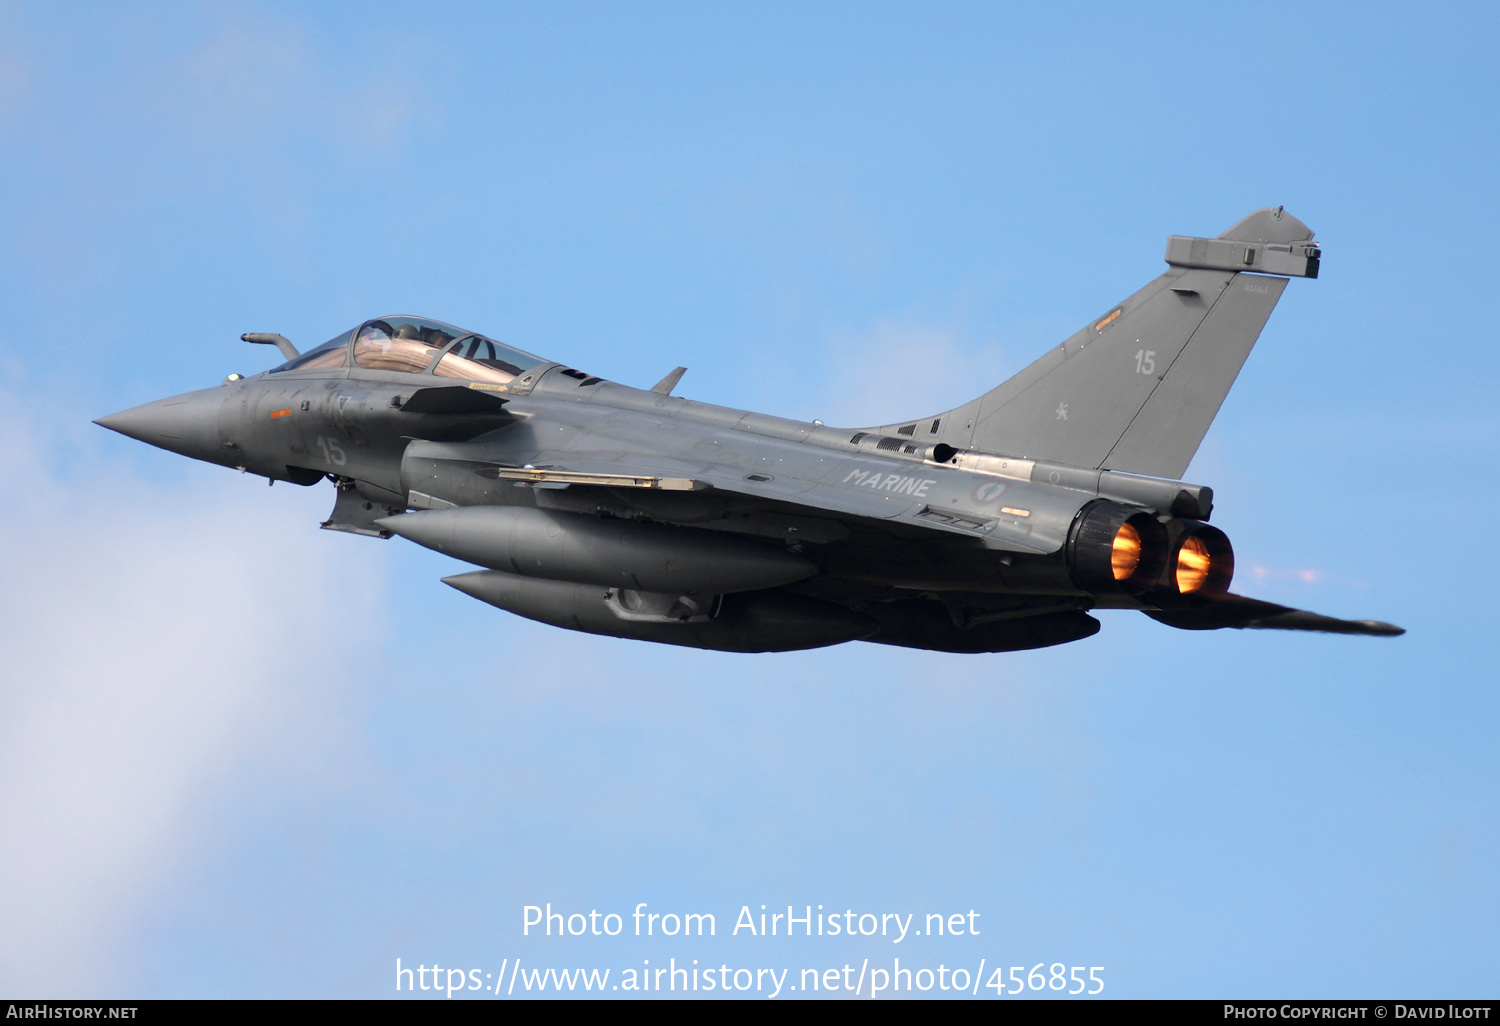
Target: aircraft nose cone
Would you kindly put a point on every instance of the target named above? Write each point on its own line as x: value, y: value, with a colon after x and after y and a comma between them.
x: 158, y: 423
x: 186, y: 424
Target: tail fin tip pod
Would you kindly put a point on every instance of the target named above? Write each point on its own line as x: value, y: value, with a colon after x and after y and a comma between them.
x: 1136, y: 389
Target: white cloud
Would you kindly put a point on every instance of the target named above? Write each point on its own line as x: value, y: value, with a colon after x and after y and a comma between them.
x: 151, y: 639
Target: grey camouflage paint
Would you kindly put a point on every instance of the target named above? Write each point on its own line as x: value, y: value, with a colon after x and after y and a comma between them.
x: 600, y: 507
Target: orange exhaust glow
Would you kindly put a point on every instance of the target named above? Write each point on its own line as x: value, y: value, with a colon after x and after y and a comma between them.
x: 1125, y: 554
x: 1192, y: 566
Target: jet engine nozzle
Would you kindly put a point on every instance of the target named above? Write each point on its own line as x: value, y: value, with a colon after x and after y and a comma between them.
x: 1202, y: 561
x: 1117, y: 548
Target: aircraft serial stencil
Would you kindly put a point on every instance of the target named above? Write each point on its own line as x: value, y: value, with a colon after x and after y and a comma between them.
x: 598, y: 507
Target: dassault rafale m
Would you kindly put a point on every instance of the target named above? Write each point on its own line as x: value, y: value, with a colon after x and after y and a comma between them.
x: 634, y: 513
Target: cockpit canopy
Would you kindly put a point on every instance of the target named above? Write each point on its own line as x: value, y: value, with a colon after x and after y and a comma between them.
x: 413, y: 345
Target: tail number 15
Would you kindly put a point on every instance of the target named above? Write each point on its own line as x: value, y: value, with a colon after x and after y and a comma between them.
x: 332, y: 452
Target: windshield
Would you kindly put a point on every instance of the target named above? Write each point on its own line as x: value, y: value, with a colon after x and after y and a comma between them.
x: 329, y: 354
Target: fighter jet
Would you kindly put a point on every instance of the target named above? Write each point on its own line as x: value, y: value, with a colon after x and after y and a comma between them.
x: 595, y: 506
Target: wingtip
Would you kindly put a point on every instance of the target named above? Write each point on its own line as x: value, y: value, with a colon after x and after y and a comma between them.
x: 1255, y: 614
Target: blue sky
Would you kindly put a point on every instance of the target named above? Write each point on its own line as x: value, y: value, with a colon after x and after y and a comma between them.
x: 243, y: 757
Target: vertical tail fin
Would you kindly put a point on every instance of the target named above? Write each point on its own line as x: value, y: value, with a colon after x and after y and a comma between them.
x: 1137, y: 389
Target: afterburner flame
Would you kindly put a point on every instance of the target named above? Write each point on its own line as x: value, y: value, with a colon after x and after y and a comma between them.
x: 1125, y: 554
x: 1192, y: 565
